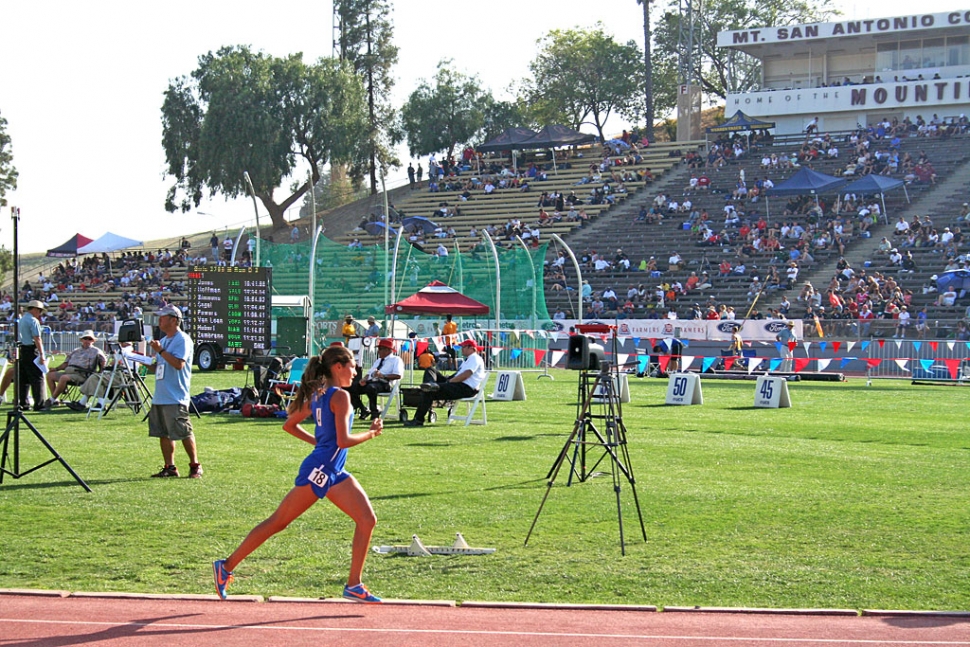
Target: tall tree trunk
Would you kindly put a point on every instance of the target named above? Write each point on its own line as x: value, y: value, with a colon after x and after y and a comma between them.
x: 647, y: 67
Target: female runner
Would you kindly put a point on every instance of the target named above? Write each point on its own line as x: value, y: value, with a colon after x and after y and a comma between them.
x: 322, y: 474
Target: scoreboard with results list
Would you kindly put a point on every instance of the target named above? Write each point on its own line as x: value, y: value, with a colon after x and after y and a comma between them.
x: 230, y: 306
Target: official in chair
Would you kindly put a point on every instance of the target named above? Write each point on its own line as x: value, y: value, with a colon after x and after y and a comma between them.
x: 77, y: 367
x: 386, y: 371
x: 463, y: 384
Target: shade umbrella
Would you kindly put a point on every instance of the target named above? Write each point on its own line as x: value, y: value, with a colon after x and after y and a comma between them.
x: 376, y: 228
x: 419, y: 223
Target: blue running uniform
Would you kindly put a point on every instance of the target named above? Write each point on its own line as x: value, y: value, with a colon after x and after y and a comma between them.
x: 324, y: 467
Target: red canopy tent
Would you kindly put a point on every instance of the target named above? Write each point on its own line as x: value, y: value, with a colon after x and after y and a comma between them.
x: 69, y: 248
x: 438, y: 299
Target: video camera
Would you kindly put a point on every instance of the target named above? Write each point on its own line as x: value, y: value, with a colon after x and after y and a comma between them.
x: 131, y: 330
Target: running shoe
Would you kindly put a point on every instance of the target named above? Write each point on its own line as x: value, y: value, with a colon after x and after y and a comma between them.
x: 360, y: 593
x: 169, y: 471
x: 195, y: 471
x: 221, y: 576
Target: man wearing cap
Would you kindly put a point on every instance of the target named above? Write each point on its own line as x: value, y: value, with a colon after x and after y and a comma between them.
x: 386, y: 371
x: 31, y: 353
x: 168, y: 419
x: 76, y: 367
x: 785, y: 337
x: 373, y: 328
x: 463, y: 384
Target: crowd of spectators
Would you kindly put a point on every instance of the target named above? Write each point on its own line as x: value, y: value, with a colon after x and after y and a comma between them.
x: 94, y: 291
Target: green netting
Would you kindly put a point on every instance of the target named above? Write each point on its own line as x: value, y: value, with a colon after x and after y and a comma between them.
x: 352, y: 281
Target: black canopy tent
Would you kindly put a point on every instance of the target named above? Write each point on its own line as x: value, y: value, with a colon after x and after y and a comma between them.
x: 740, y: 122
x: 557, y: 135
x: 509, y: 139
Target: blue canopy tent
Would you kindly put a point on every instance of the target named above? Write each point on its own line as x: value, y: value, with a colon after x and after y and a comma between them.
x: 806, y: 182
x: 877, y: 184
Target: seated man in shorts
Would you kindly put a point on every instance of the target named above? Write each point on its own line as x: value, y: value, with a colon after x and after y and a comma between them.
x: 76, y: 368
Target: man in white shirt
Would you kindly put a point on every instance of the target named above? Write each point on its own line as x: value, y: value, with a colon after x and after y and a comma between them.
x: 463, y: 384
x: 381, y: 378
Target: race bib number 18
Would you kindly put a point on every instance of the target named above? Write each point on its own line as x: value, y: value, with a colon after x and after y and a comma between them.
x: 318, y: 477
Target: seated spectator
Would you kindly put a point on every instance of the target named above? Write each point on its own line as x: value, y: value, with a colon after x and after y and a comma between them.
x: 76, y: 368
x: 947, y: 298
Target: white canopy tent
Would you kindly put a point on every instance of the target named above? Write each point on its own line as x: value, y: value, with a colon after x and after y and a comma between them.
x: 109, y: 243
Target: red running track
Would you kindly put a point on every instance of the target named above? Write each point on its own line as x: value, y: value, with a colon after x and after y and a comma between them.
x: 52, y: 621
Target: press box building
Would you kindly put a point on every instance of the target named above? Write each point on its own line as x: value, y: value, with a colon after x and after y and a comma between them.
x: 857, y: 71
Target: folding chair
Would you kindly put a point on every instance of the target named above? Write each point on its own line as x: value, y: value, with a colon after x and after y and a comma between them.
x: 391, y: 396
x: 472, y: 403
x: 286, y: 389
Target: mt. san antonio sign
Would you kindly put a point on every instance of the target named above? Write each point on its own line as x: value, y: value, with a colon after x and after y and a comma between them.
x: 844, y: 28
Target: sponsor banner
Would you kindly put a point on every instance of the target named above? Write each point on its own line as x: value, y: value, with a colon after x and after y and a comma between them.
x: 751, y: 330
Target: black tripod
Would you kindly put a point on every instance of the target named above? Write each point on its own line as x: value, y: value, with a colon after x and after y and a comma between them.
x: 599, y: 402
x: 17, y: 416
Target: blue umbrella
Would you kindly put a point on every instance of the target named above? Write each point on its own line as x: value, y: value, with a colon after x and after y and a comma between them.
x: 415, y: 223
x: 375, y: 228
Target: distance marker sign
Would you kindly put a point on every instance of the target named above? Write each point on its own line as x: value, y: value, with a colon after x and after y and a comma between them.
x: 230, y: 306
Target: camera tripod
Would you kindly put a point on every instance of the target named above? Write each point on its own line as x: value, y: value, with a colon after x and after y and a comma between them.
x: 17, y: 416
x: 599, y: 402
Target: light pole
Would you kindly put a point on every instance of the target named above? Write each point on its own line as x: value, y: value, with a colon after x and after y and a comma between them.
x: 252, y: 192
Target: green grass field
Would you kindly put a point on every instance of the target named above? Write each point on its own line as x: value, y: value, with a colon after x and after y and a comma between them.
x: 856, y: 497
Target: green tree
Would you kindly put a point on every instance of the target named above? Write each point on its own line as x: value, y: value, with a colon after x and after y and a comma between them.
x: 501, y: 115
x: 241, y: 111
x: 582, y: 76
x: 720, y: 70
x: 366, y: 41
x: 442, y: 116
x: 8, y: 172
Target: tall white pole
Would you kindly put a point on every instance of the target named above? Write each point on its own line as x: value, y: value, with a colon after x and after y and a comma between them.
x: 313, y: 267
x: 579, y: 278
x: 387, y: 243
x: 498, y: 282
x: 252, y: 192
x: 532, y: 268
x: 235, y: 248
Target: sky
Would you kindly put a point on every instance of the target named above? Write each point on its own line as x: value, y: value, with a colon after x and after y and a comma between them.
x: 81, y: 88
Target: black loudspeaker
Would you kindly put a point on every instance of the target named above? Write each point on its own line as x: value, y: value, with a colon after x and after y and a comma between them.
x: 583, y: 355
x: 131, y: 331
x: 578, y: 354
